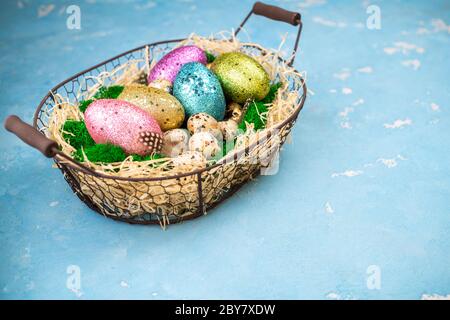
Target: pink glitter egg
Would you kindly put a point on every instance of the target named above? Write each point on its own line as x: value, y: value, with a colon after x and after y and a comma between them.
x: 123, y: 124
x: 168, y: 67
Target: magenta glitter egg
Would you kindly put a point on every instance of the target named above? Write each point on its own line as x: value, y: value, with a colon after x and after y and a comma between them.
x: 168, y: 67
x: 123, y: 124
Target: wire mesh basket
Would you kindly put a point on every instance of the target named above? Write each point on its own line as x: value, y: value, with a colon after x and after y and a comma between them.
x: 166, y: 199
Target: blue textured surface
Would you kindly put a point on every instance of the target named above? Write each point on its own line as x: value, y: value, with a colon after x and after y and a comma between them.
x: 367, y: 185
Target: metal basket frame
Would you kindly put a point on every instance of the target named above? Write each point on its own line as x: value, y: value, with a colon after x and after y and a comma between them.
x: 73, y: 170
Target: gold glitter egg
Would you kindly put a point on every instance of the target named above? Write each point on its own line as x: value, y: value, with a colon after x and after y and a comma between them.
x: 242, y: 77
x: 165, y: 108
x: 234, y: 111
x: 203, y: 122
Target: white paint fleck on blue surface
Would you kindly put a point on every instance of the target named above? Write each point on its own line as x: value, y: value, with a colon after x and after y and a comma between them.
x: 343, y: 74
x: 44, y: 10
x: 414, y: 63
x: 347, y: 90
x: 367, y: 69
x: 347, y: 173
x: 399, y: 123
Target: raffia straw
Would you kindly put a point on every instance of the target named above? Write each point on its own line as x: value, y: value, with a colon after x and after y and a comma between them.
x: 172, y: 196
x: 127, y: 73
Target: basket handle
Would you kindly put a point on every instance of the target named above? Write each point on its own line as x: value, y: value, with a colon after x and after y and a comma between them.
x: 278, y: 14
x: 37, y: 140
x: 31, y: 136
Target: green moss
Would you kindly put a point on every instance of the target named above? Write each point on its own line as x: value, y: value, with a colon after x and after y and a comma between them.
x: 84, y: 104
x: 210, y: 57
x: 227, y: 146
x: 105, y: 153
x: 253, y: 115
x: 256, y: 108
x: 272, y: 93
x: 111, y: 92
x: 76, y: 134
x: 108, y: 153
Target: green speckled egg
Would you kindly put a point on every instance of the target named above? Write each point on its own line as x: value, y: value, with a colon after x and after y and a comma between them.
x: 242, y: 77
x: 165, y: 108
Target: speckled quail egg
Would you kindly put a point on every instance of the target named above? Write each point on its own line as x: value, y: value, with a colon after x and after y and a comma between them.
x: 203, y: 122
x: 190, y: 158
x: 229, y: 129
x: 175, y: 142
x: 206, y: 143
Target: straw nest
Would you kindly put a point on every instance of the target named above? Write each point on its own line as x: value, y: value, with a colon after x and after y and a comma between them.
x: 168, y: 198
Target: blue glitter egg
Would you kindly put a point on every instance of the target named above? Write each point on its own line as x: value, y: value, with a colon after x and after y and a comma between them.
x: 198, y: 90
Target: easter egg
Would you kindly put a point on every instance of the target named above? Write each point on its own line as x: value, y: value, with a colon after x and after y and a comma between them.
x: 229, y: 129
x: 190, y: 158
x: 164, y: 107
x: 123, y: 124
x: 198, y: 90
x: 168, y: 67
x: 205, y: 143
x: 242, y: 77
x: 175, y: 142
x: 203, y: 122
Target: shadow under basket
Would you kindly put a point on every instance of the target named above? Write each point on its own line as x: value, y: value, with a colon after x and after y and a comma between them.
x: 168, y: 199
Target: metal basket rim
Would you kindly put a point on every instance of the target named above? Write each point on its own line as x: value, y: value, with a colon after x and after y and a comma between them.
x: 77, y: 166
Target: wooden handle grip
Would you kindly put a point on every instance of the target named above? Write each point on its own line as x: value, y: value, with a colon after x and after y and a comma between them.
x: 31, y: 136
x: 276, y: 13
